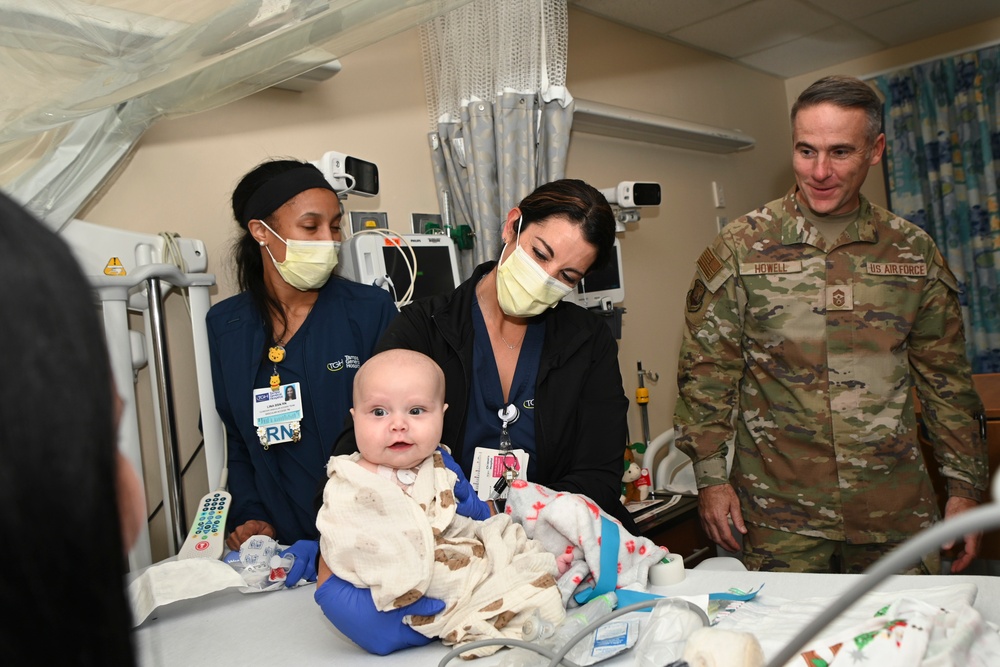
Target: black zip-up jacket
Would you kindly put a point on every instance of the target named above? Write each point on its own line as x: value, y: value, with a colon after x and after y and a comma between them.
x: 580, y: 403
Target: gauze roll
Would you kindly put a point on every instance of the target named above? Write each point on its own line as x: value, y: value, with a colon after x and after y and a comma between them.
x: 711, y: 647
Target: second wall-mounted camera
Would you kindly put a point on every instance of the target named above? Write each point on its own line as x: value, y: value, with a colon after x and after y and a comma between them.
x: 632, y: 194
x: 348, y: 174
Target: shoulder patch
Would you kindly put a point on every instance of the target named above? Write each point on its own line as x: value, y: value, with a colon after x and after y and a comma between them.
x: 709, y: 264
x: 696, y: 296
x: 944, y: 273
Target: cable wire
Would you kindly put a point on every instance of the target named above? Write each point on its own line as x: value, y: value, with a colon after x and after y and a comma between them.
x: 172, y: 255
x: 636, y: 606
x: 410, y: 261
x: 519, y: 643
x: 558, y: 658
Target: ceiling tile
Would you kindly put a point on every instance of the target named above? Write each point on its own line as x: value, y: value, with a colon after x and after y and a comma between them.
x: 657, y: 16
x: 925, y: 18
x: 790, y: 37
x: 819, y: 50
x: 854, y: 9
x: 754, y: 27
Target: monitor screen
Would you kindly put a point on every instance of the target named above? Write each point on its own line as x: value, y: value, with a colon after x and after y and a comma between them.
x: 436, y: 265
x: 603, y: 285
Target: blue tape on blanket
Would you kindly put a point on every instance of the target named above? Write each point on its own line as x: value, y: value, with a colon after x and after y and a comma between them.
x: 627, y: 597
x: 609, y: 563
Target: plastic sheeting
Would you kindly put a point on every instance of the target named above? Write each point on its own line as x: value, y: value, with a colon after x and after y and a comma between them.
x: 82, y: 80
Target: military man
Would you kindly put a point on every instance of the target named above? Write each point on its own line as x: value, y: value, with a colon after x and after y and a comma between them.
x: 813, y: 317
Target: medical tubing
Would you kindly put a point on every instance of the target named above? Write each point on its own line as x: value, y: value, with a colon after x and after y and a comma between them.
x: 979, y: 519
x: 410, y: 262
x: 503, y: 641
x: 559, y: 658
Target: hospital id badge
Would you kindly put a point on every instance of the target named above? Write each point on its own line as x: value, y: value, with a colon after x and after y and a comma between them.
x: 277, y: 414
x: 490, y: 465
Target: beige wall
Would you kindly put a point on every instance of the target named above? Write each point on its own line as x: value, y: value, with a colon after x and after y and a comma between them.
x: 615, y: 65
x: 183, y: 171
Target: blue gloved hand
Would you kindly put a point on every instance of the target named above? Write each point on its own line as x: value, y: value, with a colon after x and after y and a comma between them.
x: 352, y: 611
x: 469, y: 503
x: 304, y: 567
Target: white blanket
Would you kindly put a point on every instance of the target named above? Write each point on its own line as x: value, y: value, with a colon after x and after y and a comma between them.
x: 569, y: 525
x: 403, y: 547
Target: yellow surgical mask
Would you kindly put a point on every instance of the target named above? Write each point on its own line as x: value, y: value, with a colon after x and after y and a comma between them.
x: 524, y: 289
x: 308, y: 264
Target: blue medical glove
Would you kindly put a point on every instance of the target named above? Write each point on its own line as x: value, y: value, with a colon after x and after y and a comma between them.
x: 469, y: 503
x: 352, y: 611
x: 304, y: 567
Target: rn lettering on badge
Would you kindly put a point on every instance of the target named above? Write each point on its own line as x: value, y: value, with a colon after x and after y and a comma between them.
x: 898, y: 269
x: 280, y: 433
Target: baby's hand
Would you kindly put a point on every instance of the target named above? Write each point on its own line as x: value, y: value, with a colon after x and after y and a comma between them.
x: 565, y: 560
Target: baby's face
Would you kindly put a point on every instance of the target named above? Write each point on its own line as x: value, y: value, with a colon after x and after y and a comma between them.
x: 398, y: 415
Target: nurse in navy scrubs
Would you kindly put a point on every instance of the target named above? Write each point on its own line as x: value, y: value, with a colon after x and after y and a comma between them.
x: 286, y: 348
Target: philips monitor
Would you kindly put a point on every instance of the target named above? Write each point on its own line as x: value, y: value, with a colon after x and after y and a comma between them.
x: 437, y: 265
x: 383, y: 258
x: 603, y: 286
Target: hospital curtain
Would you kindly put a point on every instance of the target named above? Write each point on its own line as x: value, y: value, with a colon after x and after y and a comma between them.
x: 942, y: 126
x: 500, y: 113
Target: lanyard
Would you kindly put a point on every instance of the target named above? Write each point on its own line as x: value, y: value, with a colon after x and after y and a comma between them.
x: 508, y: 415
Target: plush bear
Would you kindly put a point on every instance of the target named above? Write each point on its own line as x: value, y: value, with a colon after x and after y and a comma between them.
x: 635, y: 480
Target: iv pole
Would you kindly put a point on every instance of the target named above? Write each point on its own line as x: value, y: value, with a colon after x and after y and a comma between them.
x: 642, y: 398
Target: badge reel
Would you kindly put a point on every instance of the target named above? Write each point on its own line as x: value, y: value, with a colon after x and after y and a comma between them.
x: 508, y: 415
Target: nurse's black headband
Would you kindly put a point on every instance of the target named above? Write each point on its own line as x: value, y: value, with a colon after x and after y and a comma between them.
x: 275, y: 192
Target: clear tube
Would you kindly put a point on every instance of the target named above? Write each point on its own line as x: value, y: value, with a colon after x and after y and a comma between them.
x: 582, y: 616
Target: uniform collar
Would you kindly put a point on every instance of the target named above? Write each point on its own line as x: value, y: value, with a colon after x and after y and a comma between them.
x: 796, y: 229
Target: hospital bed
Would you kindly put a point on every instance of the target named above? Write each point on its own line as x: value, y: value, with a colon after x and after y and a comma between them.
x: 287, y: 627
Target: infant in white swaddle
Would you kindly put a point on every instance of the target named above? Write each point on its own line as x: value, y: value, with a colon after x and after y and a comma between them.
x: 389, y: 520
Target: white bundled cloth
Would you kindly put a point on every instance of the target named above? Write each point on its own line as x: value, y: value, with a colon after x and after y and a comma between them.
x: 907, y: 633
x: 403, y: 547
x: 569, y: 524
x: 926, y: 627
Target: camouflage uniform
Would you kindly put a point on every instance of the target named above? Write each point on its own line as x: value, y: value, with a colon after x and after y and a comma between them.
x: 820, y: 345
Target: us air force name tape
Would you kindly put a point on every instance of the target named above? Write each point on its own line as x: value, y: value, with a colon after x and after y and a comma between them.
x: 272, y: 194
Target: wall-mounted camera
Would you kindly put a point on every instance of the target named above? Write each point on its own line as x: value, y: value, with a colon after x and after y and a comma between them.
x: 632, y: 194
x: 626, y: 198
x: 348, y: 174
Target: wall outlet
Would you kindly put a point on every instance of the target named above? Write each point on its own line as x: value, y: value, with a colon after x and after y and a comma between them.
x: 426, y: 223
x: 718, y: 196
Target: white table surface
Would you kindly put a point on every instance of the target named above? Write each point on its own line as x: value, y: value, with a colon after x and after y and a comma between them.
x: 287, y: 628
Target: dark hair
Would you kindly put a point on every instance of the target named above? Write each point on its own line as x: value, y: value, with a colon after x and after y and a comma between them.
x: 246, y: 251
x: 583, y: 204
x: 58, y: 462
x: 846, y: 92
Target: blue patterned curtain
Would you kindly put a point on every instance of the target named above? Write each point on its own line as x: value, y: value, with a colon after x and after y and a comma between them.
x: 942, y: 128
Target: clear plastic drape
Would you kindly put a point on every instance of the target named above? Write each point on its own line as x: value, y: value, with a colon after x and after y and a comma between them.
x: 82, y: 80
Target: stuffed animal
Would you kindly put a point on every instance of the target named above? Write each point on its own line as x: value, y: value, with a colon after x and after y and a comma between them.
x: 636, y: 483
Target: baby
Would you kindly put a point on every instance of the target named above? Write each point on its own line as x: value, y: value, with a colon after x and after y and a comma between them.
x: 389, y: 520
